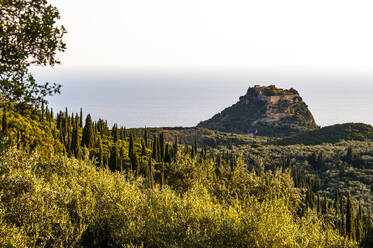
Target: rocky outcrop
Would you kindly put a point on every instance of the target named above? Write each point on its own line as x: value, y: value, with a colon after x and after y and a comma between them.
x: 265, y: 111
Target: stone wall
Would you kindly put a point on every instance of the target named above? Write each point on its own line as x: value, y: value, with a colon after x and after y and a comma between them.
x: 276, y: 99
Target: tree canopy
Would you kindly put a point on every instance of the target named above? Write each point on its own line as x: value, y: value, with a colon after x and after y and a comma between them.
x: 29, y: 36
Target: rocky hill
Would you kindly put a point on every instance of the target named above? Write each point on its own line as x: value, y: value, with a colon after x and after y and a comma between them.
x: 265, y: 111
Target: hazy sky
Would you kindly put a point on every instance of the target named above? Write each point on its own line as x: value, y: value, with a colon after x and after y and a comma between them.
x: 136, y: 58
x: 218, y: 33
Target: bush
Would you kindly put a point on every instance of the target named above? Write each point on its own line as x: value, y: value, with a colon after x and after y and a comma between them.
x: 61, y: 202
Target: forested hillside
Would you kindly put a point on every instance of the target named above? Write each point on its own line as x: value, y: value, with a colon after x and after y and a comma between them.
x: 331, y: 134
x: 70, y: 180
x: 224, y: 193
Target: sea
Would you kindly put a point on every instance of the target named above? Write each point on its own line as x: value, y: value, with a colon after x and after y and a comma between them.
x: 161, y: 98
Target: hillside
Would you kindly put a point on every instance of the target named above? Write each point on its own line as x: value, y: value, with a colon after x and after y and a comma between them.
x: 228, y: 167
x: 70, y: 180
x: 264, y: 111
x: 61, y: 202
x: 203, y: 136
x: 331, y: 134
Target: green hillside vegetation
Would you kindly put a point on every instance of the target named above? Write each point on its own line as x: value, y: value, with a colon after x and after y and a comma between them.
x: 24, y: 128
x: 206, y: 137
x: 62, y: 202
x: 30, y: 130
x: 331, y: 134
x: 342, y: 167
x: 249, y: 184
x: 70, y: 180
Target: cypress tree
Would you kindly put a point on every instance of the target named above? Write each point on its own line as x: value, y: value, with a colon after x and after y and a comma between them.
x: 359, y: 224
x: 65, y: 127
x: 100, y: 158
x: 5, y: 122
x: 151, y: 174
x: 113, y: 164
x: 167, y: 156
x: 136, y: 164
x: 88, y: 135
x: 62, y: 134
x: 368, y: 227
x: 85, y: 153
x: 114, y: 133
x: 186, y: 148
x: 48, y: 116
x: 75, y: 142
x: 343, y: 221
x: 132, y: 154
x: 58, y: 122
x: 336, y: 202
x: 368, y: 240
x: 337, y: 211
x: 122, y: 155
x: 161, y: 147
x: 122, y: 134
x: 349, y: 155
x: 143, y: 149
x: 147, y: 172
x: 195, y: 146
x: 155, y: 149
x: 159, y: 154
x: 318, y: 204
x: 52, y: 114
x: 162, y: 177
x: 121, y: 164
x: 324, y: 205
x: 146, y: 137
x: 131, y: 149
x: 71, y: 119
x: 101, y: 127
x: 76, y: 120
x: 81, y: 118
x: 107, y: 160
x: 66, y: 116
x: 175, y: 147
x: 320, y: 160
x: 350, y: 227
x: 68, y: 143
x: 308, y: 197
x: 204, y: 153
x: 42, y: 112
x: 312, y: 159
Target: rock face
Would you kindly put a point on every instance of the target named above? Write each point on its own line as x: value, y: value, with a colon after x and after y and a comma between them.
x: 265, y: 111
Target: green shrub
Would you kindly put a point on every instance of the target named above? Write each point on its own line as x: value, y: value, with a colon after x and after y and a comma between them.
x: 61, y: 202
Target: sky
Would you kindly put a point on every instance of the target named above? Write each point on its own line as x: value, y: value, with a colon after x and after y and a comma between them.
x: 215, y: 34
x: 218, y: 48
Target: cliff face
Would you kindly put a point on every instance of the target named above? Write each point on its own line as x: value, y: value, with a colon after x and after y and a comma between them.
x: 265, y: 111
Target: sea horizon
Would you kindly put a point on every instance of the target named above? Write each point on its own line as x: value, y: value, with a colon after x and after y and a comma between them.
x: 137, y: 99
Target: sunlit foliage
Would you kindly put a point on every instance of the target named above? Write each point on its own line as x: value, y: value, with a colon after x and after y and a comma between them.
x: 67, y: 202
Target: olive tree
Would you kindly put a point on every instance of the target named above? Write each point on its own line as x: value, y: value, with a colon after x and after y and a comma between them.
x: 29, y: 36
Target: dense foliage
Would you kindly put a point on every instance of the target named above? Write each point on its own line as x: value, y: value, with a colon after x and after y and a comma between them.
x: 70, y: 203
x: 80, y: 183
x: 29, y: 36
x: 331, y: 134
x: 66, y: 182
